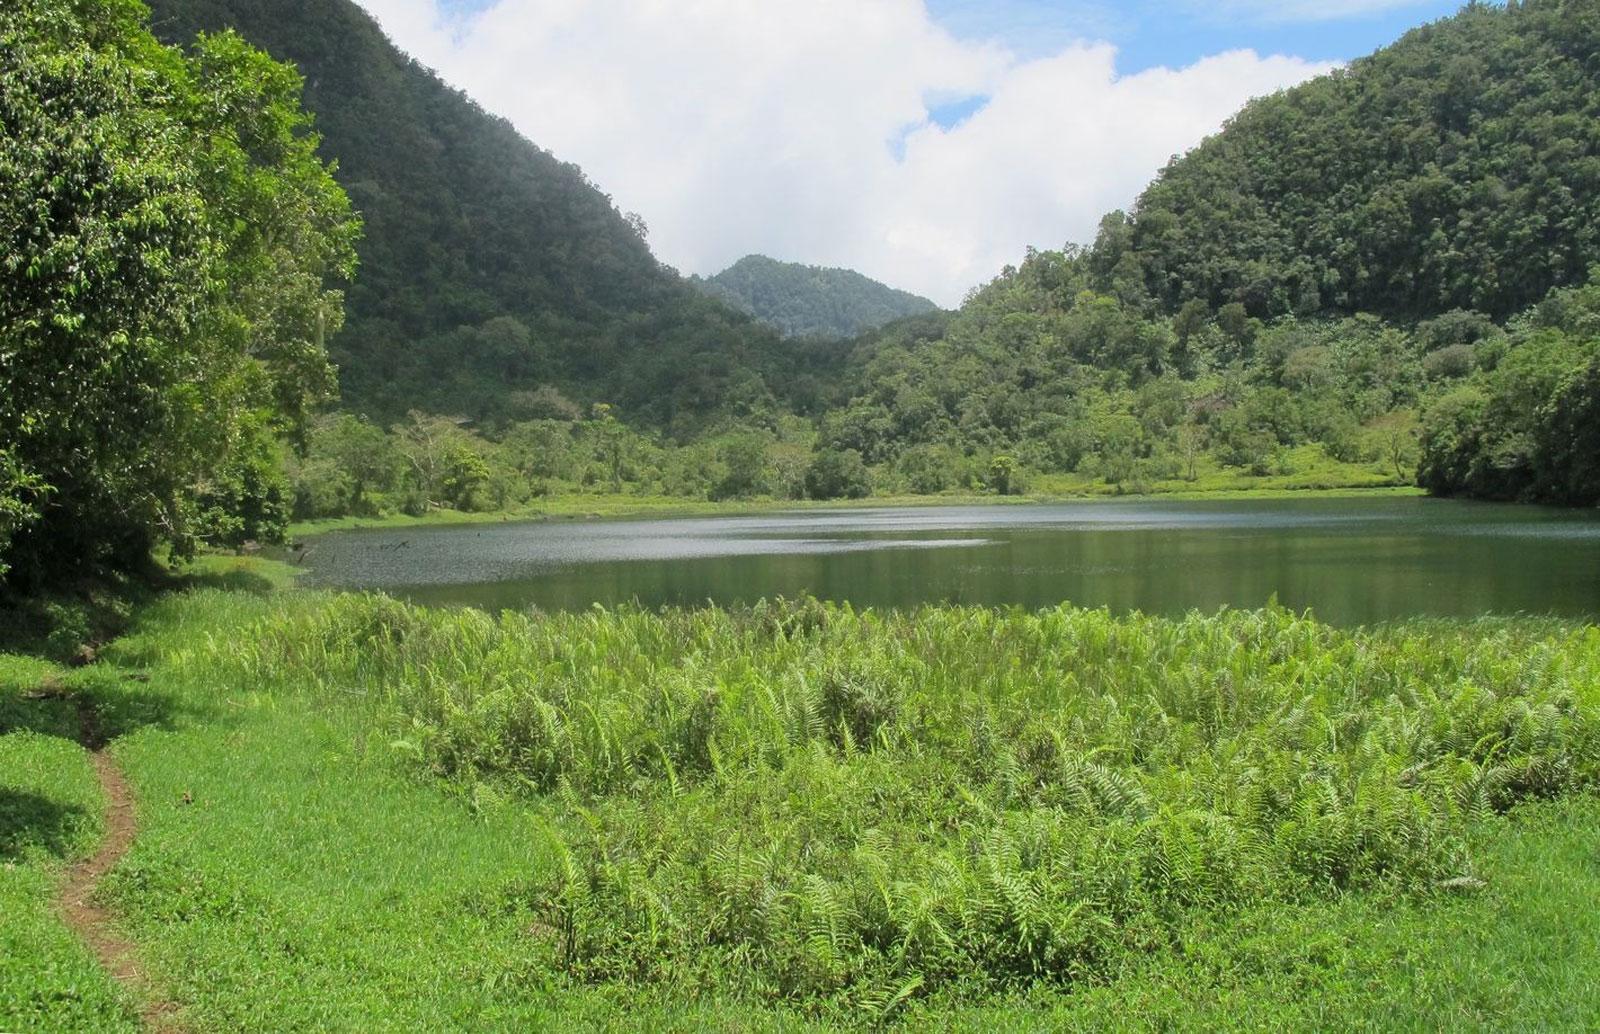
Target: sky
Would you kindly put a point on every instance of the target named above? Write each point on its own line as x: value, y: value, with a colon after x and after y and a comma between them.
x: 926, y: 143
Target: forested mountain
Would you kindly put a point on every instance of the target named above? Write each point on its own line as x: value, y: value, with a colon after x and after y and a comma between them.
x: 1337, y: 289
x: 810, y: 301
x: 489, y: 268
x: 1456, y: 169
x: 1376, y: 268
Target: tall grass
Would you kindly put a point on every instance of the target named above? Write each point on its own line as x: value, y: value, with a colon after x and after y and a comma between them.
x: 833, y: 806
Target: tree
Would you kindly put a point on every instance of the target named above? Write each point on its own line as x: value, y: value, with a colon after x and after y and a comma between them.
x: 465, y: 475
x: 743, y: 458
x: 837, y: 474
x: 1191, y: 446
x: 166, y: 231
x: 362, y: 454
x: 611, y: 439
x: 1397, y: 435
x: 428, y: 444
x: 1003, y: 475
x: 20, y: 495
x: 1569, y: 462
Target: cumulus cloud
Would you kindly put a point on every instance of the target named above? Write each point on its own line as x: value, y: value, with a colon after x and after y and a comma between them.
x: 805, y: 131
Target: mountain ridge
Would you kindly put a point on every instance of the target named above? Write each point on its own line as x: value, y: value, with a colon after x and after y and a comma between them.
x: 1456, y: 168
x: 801, y: 300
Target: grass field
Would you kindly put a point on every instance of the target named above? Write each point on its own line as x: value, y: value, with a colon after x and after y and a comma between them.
x: 357, y: 814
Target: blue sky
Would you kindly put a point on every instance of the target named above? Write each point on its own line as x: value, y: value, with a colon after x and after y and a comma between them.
x: 1177, y: 34
x: 1148, y: 34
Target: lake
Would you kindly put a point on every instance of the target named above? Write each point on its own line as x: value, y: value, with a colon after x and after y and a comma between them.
x: 1351, y: 560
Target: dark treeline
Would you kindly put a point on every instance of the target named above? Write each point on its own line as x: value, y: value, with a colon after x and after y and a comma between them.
x: 355, y: 467
x: 1527, y: 425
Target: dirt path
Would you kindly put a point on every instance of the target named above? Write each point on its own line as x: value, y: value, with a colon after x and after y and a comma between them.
x: 88, y: 920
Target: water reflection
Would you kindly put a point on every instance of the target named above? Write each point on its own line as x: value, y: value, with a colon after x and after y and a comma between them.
x: 1351, y: 560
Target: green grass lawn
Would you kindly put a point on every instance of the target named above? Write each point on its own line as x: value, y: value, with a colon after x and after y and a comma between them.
x: 358, y: 815
x: 50, y: 814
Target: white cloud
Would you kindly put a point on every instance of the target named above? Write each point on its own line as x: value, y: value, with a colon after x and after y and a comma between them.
x: 737, y: 127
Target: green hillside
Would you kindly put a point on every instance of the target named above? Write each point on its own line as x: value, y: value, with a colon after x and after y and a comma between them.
x: 489, y: 268
x: 810, y: 301
x: 1457, y: 168
x: 1376, y: 273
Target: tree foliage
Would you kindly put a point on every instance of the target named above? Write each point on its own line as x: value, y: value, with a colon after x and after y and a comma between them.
x: 168, y: 235
x: 1529, y: 427
x: 810, y: 301
x: 1457, y: 169
x: 1039, y: 371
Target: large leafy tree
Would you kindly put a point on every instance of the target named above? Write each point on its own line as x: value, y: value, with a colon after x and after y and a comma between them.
x: 166, y: 233
x: 1529, y: 428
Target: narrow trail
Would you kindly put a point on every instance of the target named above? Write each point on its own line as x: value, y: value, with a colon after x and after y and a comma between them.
x: 92, y: 923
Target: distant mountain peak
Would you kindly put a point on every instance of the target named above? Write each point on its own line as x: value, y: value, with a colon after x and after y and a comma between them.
x: 811, y: 301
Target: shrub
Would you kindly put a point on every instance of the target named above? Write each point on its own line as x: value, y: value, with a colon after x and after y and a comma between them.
x: 838, y: 474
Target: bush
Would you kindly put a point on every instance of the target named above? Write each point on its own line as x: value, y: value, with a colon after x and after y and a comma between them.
x: 838, y: 474
x: 1450, y: 362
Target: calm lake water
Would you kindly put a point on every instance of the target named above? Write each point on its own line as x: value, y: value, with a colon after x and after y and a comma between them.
x: 1350, y: 560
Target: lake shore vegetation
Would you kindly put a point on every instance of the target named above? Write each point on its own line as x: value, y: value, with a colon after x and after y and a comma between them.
x: 798, y: 813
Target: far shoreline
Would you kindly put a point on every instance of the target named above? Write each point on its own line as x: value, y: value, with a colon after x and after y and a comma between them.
x: 624, y: 507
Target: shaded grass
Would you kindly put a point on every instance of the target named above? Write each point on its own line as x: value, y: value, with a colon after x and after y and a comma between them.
x: 256, y: 574
x: 50, y: 813
x: 801, y: 813
x: 44, y: 630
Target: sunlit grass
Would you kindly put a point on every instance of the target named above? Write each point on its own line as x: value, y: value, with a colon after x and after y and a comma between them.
x: 806, y: 809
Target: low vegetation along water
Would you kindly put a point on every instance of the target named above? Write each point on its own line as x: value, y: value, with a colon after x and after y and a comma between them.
x: 810, y: 811
x: 1350, y: 560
